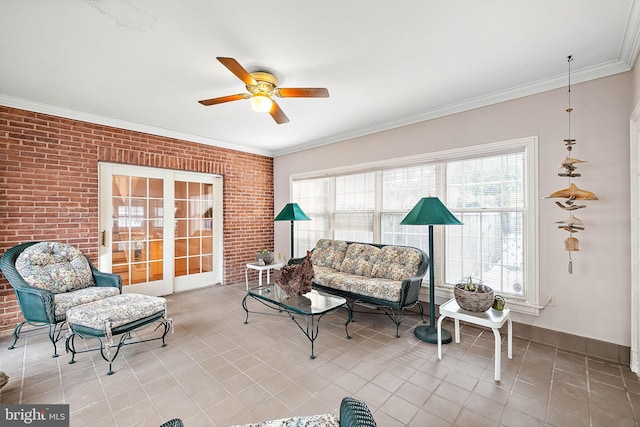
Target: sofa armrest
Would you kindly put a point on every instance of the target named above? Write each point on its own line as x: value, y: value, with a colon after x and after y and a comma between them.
x: 107, y: 279
x: 410, y: 290
x: 411, y: 285
x: 296, y: 261
x: 35, y: 304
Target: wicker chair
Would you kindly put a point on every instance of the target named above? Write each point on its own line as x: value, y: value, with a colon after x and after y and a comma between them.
x: 38, y: 306
x: 355, y: 413
x: 176, y: 422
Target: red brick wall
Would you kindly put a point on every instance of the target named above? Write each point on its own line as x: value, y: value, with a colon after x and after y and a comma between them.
x: 49, y: 187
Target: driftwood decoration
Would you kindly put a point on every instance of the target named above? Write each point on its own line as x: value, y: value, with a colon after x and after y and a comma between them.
x: 296, y: 279
x: 573, y: 193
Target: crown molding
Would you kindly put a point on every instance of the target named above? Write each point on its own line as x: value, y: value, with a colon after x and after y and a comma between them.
x: 578, y: 76
x: 631, y: 41
x: 626, y: 61
x: 68, y: 113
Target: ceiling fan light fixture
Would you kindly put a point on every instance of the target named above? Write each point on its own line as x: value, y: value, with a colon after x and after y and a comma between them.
x: 262, y: 88
x: 261, y: 103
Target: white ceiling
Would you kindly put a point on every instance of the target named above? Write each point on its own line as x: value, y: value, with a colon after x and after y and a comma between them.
x: 144, y: 64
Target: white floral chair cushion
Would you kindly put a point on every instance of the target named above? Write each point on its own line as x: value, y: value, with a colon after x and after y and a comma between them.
x: 56, y: 267
x: 329, y: 253
x: 64, y: 301
x: 397, y: 263
x: 115, y: 311
x: 325, y: 420
x: 360, y: 259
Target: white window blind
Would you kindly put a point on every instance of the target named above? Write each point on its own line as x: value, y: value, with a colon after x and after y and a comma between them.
x: 487, y: 188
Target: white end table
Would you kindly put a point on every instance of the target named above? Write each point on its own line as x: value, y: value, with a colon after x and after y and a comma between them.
x: 491, y: 318
x: 260, y: 269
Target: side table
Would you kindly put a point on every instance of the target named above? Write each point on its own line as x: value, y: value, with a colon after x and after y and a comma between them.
x: 491, y: 318
x: 260, y: 269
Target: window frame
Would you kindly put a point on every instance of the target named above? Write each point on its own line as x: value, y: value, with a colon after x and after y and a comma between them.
x: 531, y: 303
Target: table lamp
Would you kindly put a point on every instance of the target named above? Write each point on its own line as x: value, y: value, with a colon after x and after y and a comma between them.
x: 430, y: 211
x: 292, y: 212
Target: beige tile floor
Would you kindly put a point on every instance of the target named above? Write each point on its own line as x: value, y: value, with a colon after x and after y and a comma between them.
x: 217, y: 371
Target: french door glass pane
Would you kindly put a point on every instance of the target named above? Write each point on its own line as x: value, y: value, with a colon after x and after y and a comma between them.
x: 193, y: 232
x: 137, y: 228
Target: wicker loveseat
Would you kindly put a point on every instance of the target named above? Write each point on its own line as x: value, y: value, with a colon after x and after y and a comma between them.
x: 48, y: 279
x: 387, y: 277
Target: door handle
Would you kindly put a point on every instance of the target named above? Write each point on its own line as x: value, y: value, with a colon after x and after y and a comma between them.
x: 103, y: 238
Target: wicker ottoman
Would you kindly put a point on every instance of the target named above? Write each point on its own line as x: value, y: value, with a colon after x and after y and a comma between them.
x: 116, y: 315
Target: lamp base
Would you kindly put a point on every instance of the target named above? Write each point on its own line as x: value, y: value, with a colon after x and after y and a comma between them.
x: 430, y: 334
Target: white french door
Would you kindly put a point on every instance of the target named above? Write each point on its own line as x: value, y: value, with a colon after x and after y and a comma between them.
x: 635, y: 238
x: 161, y: 230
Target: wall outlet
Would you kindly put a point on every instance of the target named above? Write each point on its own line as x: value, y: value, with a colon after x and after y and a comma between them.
x: 550, y: 300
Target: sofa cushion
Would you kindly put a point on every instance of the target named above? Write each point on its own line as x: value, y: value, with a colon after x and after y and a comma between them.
x: 56, y: 267
x: 396, y: 263
x: 65, y: 300
x: 374, y: 287
x: 329, y: 253
x: 330, y: 278
x: 360, y: 259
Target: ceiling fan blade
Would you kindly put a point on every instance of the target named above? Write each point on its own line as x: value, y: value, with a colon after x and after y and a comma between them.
x: 237, y: 69
x: 278, y: 115
x: 223, y: 99
x: 302, y: 92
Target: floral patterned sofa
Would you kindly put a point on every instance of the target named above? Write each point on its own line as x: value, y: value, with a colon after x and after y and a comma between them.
x: 49, y: 278
x: 387, y: 277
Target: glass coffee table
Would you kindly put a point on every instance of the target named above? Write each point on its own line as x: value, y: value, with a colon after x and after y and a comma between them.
x: 310, y: 306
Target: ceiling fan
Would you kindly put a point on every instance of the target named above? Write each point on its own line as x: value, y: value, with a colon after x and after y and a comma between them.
x: 263, y: 87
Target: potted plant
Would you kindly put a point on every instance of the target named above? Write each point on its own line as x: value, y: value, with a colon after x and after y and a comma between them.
x: 264, y: 257
x: 473, y: 295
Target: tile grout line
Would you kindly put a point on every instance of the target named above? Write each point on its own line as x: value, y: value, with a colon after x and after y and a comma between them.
x: 550, y: 388
x: 590, y: 419
x: 517, y: 375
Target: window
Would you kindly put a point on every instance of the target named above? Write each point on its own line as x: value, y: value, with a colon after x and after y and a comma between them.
x: 490, y: 188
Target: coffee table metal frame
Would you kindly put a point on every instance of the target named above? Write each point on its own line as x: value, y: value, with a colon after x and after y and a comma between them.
x: 312, y: 306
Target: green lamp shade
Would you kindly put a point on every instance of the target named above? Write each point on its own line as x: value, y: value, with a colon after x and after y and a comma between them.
x: 430, y: 211
x: 292, y: 212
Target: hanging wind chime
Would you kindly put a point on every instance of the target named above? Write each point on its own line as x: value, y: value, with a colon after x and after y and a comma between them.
x: 573, y: 194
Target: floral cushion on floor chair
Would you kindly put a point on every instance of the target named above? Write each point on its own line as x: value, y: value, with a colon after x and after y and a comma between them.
x: 325, y: 420
x: 63, y: 270
x: 56, y: 267
x: 353, y: 413
x: 4, y: 379
x: 50, y: 277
